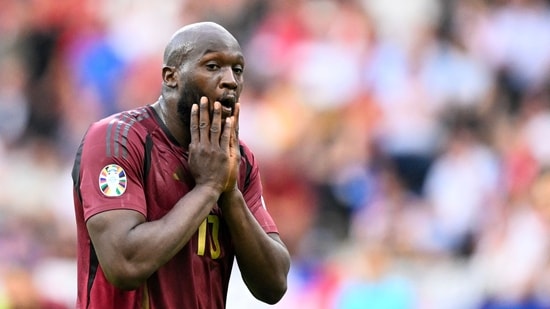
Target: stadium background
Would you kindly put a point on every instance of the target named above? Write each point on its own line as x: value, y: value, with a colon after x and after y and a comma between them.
x: 398, y: 140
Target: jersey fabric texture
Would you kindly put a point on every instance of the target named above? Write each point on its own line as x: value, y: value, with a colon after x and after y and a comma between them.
x: 130, y: 161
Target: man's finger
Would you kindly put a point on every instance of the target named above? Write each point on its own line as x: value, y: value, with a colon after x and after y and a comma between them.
x: 194, y: 127
x: 226, y: 134
x: 215, y: 126
x: 204, y: 120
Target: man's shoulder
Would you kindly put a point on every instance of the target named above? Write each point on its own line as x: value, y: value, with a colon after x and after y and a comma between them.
x: 122, y: 123
x: 130, y: 116
x: 115, y: 133
x: 245, y: 149
x: 247, y: 154
x: 244, y: 146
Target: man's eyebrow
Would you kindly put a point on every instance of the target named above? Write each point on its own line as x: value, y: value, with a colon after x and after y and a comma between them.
x: 237, y: 54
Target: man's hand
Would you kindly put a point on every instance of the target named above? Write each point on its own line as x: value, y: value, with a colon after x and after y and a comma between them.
x: 213, y: 152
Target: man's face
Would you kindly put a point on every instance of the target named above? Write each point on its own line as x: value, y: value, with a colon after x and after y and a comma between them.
x: 213, y: 69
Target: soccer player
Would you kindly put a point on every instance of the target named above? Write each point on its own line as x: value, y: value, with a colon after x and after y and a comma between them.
x: 167, y: 196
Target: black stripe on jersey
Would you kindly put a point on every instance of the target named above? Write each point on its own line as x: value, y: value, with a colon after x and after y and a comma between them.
x: 147, y: 156
x: 76, y: 170
x: 94, y: 262
x: 92, y: 271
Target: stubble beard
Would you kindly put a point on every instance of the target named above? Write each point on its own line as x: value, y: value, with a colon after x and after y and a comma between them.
x: 188, y: 96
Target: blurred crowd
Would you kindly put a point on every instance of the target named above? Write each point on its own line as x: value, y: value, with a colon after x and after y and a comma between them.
x: 404, y: 145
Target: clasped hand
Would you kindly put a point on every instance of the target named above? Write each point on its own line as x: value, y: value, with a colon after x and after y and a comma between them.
x: 214, y: 154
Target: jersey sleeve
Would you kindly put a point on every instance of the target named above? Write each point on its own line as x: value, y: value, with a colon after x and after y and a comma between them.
x: 111, y: 167
x: 252, y: 190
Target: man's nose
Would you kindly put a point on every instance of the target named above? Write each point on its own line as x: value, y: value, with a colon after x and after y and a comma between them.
x: 229, y: 80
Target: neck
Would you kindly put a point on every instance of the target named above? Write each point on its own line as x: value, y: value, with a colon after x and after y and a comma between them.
x: 168, y: 114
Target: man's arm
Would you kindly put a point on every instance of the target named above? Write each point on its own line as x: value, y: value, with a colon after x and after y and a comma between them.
x: 130, y: 249
x: 263, y: 259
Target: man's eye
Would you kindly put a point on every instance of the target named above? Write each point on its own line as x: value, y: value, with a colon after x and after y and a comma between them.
x: 238, y: 70
x: 212, y: 66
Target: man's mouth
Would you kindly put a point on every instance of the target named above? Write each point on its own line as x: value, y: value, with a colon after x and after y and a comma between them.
x: 227, y: 106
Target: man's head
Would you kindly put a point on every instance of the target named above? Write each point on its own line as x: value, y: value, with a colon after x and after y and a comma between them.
x: 202, y: 59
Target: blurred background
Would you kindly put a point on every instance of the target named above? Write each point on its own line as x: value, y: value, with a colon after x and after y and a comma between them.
x: 403, y: 144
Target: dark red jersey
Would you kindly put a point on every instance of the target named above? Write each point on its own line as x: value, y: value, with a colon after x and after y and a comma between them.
x: 130, y: 161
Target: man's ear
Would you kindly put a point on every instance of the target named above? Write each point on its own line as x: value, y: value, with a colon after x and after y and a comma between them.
x: 169, y: 76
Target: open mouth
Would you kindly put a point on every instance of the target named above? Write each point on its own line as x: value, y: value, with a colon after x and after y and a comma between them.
x: 228, y: 103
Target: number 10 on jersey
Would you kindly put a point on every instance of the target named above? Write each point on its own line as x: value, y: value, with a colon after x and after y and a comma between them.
x: 209, y: 232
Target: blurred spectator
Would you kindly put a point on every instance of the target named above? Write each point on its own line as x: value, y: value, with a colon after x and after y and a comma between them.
x: 462, y: 185
x: 21, y: 292
x: 14, y: 107
x: 373, y: 282
x: 513, y: 269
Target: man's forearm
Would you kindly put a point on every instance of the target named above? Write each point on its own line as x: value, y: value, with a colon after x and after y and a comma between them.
x: 263, y: 259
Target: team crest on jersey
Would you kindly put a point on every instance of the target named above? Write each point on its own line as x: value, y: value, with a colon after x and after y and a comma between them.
x: 112, y: 180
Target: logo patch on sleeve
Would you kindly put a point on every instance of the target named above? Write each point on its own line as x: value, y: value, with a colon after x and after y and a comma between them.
x: 112, y: 180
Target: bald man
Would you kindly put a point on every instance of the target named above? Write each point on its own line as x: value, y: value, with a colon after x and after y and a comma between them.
x: 166, y: 196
